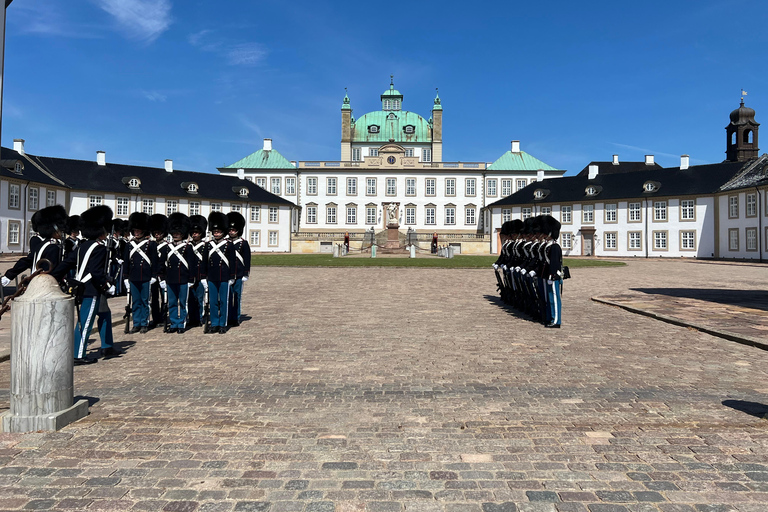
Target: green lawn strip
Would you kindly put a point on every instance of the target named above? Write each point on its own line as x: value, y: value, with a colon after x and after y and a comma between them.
x: 327, y: 260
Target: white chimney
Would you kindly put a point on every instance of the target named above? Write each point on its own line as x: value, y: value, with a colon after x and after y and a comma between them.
x: 168, y: 165
x: 615, y: 159
x: 241, y: 174
x: 515, y: 146
x: 684, y: 162
x: 267, y: 144
x: 648, y: 159
x: 101, y: 158
x: 592, y: 172
x: 540, y: 175
x: 293, y: 163
x: 18, y: 146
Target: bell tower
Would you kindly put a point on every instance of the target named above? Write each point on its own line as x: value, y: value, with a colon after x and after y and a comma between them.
x: 742, y: 135
x: 346, y: 129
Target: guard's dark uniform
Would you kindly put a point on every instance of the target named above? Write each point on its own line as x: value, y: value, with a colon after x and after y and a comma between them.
x: 242, y: 265
x: 199, y: 286
x: 178, y: 272
x: 221, y: 272
x: 49, y: 223
x: 141, y: 262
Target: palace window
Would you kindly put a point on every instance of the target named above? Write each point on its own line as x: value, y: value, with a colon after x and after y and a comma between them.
x: 635, y: 240
x: 546, y: 210
x: 215, y: 207
x: 14, y: 196
x: 311, y: 214
x: 610, y: 241
x: 262, y: 182
x: 491, y: 186
x: 50, y: 197
x: 14, y: 232
x: 733, y: 239
x: 330, y: 215
x: 290, y: 186
x: 236, y: 207
x: 273, y: 214
x: 374, y: 151
x: 610, y: 212
x: 470, y: 186
x: 410, y: 215
x: 171, y: 206
x: 470, y: 216
x: 751, y: 205
x: 356, y: 155
x: 429, y: 186
x: 255, y: 214
x: 391, y: 186
x: 660, y: 210
x: 660, y: 240
x: 566, y: 240
x: 687, y: 211
x: 526, y: 213
x: 751, y: 236
x: 506, y: 187
x: 312, y: 186
x: 429, y: 215
x: 122, y: 206
x: 506, y: 214
x: 370, y: 215
x: 275, y: 186
x: 147, y: 206
x: 273, y: 237
x: 351, y: 186
x: 688, y: 240
x: 408, y: 151
x: 635, y: 213
x: 331, y: 186
x: 426, y: 155
x: 565, y: 214
x: 33, y: 198
x: 370, y: 186
x: 255, y: 238
x: 410, y: 186
x: 351, y: 214
x: 521, y: 183
x: 194, y: 208
x: 450, y: 215
x: 450, y: 187
x: 588, y: 213
x: 99, y: 200
x: 733, y: 207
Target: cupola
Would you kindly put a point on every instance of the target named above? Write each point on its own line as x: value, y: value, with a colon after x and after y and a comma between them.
x: 742, y: 135
x: 391, y: 99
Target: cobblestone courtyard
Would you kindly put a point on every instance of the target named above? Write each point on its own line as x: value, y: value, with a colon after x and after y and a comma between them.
x: 387, y: 389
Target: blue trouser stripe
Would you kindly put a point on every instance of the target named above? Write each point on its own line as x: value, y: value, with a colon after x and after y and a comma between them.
x: 554, y: 302
x: 85, y: 324
x: 237, y: 291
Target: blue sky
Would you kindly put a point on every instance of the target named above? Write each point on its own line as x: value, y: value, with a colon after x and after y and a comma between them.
x: 204, y: 82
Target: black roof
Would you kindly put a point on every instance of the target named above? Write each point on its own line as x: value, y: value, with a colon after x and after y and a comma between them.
x: 696, y: 180
x: 29, y: 173
x: 621, y: 167
x: 113, y: 178
x: 753, y: 174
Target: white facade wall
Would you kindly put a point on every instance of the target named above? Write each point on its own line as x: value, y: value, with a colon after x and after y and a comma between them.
x: 267, y: 233
x: 20, y: 218
x: 742, y: 225
x: 671, y: 232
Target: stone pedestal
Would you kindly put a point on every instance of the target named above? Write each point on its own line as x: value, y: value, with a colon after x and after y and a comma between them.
x: 393, y: 238
x: 42, y: 365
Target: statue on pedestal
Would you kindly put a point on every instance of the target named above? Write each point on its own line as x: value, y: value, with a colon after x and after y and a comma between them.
x: 392, y: 214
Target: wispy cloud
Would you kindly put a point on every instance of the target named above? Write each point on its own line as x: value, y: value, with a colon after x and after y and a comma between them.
x: 154, y: 96
x: 46, y: 19
x: 144, y: 20
x: 235, y: 54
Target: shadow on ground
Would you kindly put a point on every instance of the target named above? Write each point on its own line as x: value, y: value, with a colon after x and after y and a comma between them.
x: 755, y: 299
x: 755, y: 409
x: 496, y: 301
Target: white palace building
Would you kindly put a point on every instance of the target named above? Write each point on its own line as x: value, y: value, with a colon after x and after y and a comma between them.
x: 391, y: 163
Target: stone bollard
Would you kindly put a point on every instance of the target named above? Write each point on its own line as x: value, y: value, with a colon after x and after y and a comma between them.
x: 450, y: 252
x: 413, y: 251
x: 373, y: 251
x: 335, y: 250
x: 42, y: 362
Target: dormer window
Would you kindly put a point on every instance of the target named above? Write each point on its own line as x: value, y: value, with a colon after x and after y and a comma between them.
x: 651, y: 186
x: 243, y: 192
x: 374, y: 128
x: 409, y: 129
x: 391, y: 117
x: 134, y: 183
x: 192, y: 188
x: 540, y: 193
x: 19, y: 167
x: 593, y: 190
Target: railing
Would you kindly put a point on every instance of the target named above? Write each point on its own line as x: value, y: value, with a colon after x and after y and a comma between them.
x: 407, y: 162
x: 366, y: 235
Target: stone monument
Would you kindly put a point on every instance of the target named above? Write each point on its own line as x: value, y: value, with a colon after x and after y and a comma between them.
x: 393, y: 225
x: 42, y: 362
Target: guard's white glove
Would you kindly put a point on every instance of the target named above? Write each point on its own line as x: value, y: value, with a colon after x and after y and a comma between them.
x: 523, y: 272
x: 162, y: 285
x: 127, y: 284
x: 231, y: 282
x: 245, y: 279
x: 204, y: 282
x: 152, y: 281
x: 119, y: 261
x: 495, y: 267
x: 560, y: 274
x: 5, y: 281
x: 532, y: 273
x: 111, y: 291
x: 549, y: 281
x: 504, y: 268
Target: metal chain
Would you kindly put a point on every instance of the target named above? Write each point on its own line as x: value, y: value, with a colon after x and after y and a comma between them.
x: 22, y: 287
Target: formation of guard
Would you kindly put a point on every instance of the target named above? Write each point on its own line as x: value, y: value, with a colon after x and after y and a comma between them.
x: 529, y: 270
x: 96, y: 257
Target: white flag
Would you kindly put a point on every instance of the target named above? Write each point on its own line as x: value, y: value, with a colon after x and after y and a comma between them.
x: 743, y: 92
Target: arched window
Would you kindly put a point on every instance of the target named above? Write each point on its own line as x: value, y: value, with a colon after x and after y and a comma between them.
x: 748, y: 137
x: 733, y: 139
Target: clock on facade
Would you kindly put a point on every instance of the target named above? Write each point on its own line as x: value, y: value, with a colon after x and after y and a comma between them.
x: 390, y: 160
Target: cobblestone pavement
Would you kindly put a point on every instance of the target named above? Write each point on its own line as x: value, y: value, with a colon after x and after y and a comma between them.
x: 386, y: 389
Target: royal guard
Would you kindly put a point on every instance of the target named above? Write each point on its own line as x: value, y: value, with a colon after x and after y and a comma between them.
x: 198, y: 229
x: 116, y: 256
x: 221, y: 271
x: 553, y: 272
x: 91, y: 285
x: 242, y: 264
x: 158, y: 227
x: 179, y: 271
x: 49, y: 224
x: 141, y: 267
x: 73, y: 234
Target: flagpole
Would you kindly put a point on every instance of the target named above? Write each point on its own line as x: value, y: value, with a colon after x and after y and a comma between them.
x: 2, y: 60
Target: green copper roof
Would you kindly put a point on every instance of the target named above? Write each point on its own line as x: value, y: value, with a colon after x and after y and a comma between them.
x: 437, y: 105
x: 521, y: 161
x: 262, y: 160
x: 391, y: 92
x: 392, y: 128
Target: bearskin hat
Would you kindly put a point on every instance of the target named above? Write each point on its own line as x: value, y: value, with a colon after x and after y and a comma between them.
x: 217, y: 220
x: 528, y: 226
x: 236, y: 221
x: 550, y: 226
x: 179, y: 223
x: 158, y: 222
x: 96, y: 221
x: 140, y: 221
x: 198, y: 223
x: 506, y: 228
x: 49, y: 220
x: 73, y: 224
x: 517, y: 226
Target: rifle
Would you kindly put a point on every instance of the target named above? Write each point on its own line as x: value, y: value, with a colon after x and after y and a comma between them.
x: 127, y: 315
x: 206, y: 312
x: 164, y: 310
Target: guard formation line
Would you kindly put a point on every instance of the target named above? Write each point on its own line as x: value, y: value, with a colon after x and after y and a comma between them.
x: 529, y: 270
x: 148, y: 259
